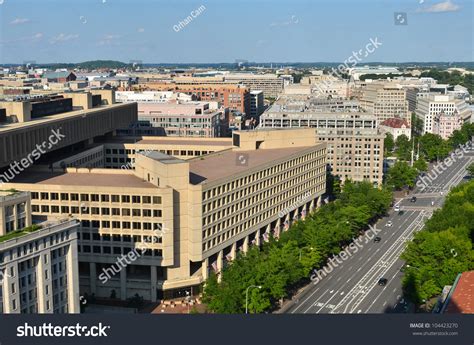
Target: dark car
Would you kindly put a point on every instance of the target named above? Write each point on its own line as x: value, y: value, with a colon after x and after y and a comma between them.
x: 382, y: 281
x: 377, y: 239
x: 401, y: 213
x: 413, y: 199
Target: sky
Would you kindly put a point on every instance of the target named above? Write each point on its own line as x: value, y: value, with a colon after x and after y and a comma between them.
x: 47, y: 31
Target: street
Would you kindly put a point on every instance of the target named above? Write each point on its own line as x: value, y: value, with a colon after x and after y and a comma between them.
x: 352, y: 286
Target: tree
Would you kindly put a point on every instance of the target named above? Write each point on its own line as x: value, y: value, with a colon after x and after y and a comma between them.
x: 470, y: 169
x: 388, y: 143
x: 403, y: 147
x: 416, y: 125
x: 443, y: 248
x: 433, y: 147
x: 420, y: 165
x: 401, y: 175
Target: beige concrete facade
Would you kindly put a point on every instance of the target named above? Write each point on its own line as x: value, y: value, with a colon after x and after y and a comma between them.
x: 354, y: 144
x: 209, y: 208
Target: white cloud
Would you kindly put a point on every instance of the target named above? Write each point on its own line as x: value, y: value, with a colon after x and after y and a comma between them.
x: 63, y: 38
x: 440, y: 7
x: 141, y: 30
x: 19, y: 21
x: 32, y: 38
x: 109, y: 40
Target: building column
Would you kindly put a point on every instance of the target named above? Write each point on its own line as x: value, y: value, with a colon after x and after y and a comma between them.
x: 257, y: 237
x: 153, y: 283
x: 311, y: 205
x: 72, y: 262
x: 318, y: 202
x: 205, y: 269
x: 16, y: 225
x: 220, y: 265
x: 41, y: 282
x: 123, y: 284
x: 8, y: 295
x: 93, y: 277
x: 245, y: 246
x: 28, y: 213
x: 233, y: 250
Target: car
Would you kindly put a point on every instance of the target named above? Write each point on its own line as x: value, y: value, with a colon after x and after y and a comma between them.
x: 413, y: 199
x: 401, y: 213
x: 389, y: 223
x: 377, y: 239
x: 397, y: 208
x: 382, y: 281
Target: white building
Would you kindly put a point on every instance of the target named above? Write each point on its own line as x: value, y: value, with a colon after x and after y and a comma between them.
x: 429, y: 109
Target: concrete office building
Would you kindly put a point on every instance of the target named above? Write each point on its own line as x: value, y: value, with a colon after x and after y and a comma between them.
x: 229, y: 95
x: 387, y: 101
x: 209, y: 207
x: 39, y: 270
x: 271, y: 84
x: 454, y: 112
x: 189, y: 119
x: 89, y: 119
x: 354, y: 143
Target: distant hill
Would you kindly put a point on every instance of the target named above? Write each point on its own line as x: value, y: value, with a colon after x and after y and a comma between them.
x: 96, y: 64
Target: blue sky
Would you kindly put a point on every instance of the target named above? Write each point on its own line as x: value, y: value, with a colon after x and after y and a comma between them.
x: 256, y: 30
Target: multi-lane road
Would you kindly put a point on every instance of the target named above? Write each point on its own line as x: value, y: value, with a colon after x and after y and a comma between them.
x: 350, y: 283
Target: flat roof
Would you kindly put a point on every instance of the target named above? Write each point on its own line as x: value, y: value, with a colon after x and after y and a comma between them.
x: 198, y: 141
x: 83, y: 179
x: 168, y: 141
x: 161, y: 157
x: 462, y: 300
x: 229, y: 163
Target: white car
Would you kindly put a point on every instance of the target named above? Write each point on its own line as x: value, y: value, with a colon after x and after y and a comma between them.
x: 396, y: 208
x: 389, y: 223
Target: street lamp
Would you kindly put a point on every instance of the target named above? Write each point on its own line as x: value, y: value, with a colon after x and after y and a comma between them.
x: 247, y: 296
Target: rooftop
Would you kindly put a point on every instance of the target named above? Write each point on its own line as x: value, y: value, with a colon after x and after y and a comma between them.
x: 462, y: 299
x: 83, y: 179
x: 395, y: 123
x: 230, y: 163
